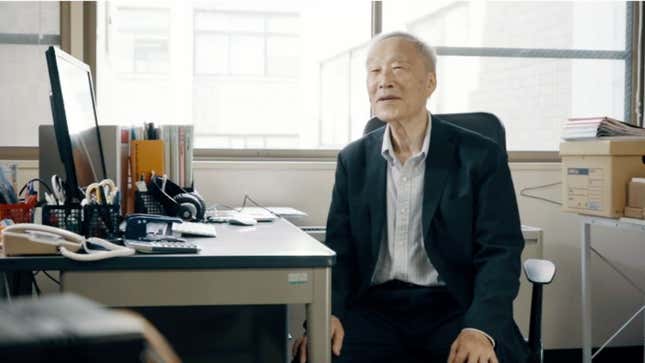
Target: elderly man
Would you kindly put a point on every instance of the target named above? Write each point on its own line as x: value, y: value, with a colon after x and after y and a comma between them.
x: 425, y: 225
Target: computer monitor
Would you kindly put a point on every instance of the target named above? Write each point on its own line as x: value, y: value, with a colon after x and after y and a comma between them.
x: 75, y: 121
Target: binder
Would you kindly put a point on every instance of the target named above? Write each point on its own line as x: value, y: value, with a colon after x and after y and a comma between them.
x: 125, y: 182
x: 181, y: 159
x: 146, y: 157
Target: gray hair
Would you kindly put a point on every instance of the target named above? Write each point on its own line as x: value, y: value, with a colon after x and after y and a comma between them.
x: 428, y: 53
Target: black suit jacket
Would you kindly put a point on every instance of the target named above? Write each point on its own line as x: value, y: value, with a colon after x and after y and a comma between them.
x: 471, y: 225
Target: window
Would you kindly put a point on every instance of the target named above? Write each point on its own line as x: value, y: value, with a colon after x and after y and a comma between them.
x: 142, y: 37
x: 245, y: 58
x: 343, y: 97
x: 291, y: 74
x: 247, y: 75
x: 26, y: 30
x: 235, y: 43
x: 533, y: 64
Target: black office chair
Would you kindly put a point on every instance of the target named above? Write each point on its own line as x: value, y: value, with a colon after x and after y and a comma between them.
x: 538, y: 272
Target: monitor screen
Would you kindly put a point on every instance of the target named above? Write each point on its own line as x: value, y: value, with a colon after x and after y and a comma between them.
x: 75, y: 121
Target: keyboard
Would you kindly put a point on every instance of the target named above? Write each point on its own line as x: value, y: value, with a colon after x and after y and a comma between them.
x: 162, y: 247
x: 194, y: 229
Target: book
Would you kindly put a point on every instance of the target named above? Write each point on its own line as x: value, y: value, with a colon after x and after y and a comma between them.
x: 165, y: 136
x: 592, y: 127
x: 177, y: 152
x: 174, y: 154
x: 189, y: 133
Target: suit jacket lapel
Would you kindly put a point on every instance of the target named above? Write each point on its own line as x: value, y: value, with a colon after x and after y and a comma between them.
x: 439, y: 162
x: 375, y: 191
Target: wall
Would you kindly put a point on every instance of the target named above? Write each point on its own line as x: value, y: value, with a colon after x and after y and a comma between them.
x: 307, y: 186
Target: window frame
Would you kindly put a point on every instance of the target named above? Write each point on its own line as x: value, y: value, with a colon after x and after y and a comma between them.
x: 631, y: 114
x: 629, y: 55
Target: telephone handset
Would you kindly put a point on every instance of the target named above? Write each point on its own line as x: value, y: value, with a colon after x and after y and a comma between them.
x: 38, y: 239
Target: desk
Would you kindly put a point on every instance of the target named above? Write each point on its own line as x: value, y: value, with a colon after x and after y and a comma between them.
x: 585, y: 257
x: 270, y: 263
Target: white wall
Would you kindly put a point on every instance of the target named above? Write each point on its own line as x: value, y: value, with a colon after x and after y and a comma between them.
x: 307, y: 186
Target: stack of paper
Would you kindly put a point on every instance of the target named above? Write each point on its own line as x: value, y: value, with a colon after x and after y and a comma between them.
x: 592, y: 127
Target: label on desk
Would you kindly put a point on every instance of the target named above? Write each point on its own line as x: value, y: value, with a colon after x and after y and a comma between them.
x: 297, y: 278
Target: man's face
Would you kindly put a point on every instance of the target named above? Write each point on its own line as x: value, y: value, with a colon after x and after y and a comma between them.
x: 398, y: 82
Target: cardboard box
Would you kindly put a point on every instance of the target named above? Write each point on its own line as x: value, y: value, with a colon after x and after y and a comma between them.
x: 632, y: 212
x: 595, y: 174
x: 636, y: 197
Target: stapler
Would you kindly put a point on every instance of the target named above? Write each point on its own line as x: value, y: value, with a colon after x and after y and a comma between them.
x: 151, y: 228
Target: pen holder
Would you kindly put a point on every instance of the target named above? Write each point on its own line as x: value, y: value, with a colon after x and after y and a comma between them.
x: 145, y: 202
x: 101, y: 220
x: 18, y: 212
x: 68, y: 217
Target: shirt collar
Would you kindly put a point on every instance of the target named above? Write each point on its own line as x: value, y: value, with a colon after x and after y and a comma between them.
x: 387, y: 149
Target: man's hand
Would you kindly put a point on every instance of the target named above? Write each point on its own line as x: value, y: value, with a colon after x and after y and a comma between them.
x: 337, y: 334
x: 472, y: 347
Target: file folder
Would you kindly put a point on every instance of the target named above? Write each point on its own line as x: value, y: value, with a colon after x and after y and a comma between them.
x: 146, y: 157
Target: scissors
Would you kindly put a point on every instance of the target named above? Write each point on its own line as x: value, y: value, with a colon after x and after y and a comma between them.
x: 103, y: 192
x: 59, y: 190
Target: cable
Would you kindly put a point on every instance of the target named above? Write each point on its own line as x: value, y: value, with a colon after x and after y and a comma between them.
x: 220, y: 204
x: 51, y: 278
x: 32, y: 180
x: 6, y: 286
x: 246, y: 196
x: 35, y: 283
x: 113, y: 250
x: 240, y: 209
x: 524, y: 194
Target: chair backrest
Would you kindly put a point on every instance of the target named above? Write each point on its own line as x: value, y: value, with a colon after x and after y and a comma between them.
x: 483, y: 123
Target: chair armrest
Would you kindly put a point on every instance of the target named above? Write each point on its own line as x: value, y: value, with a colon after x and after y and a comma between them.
x: 539, y: 271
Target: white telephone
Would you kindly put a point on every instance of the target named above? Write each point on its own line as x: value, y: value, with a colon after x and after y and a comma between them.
x: 38, y: 239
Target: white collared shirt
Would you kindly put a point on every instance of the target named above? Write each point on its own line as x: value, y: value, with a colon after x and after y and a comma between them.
x: 402, y: 254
